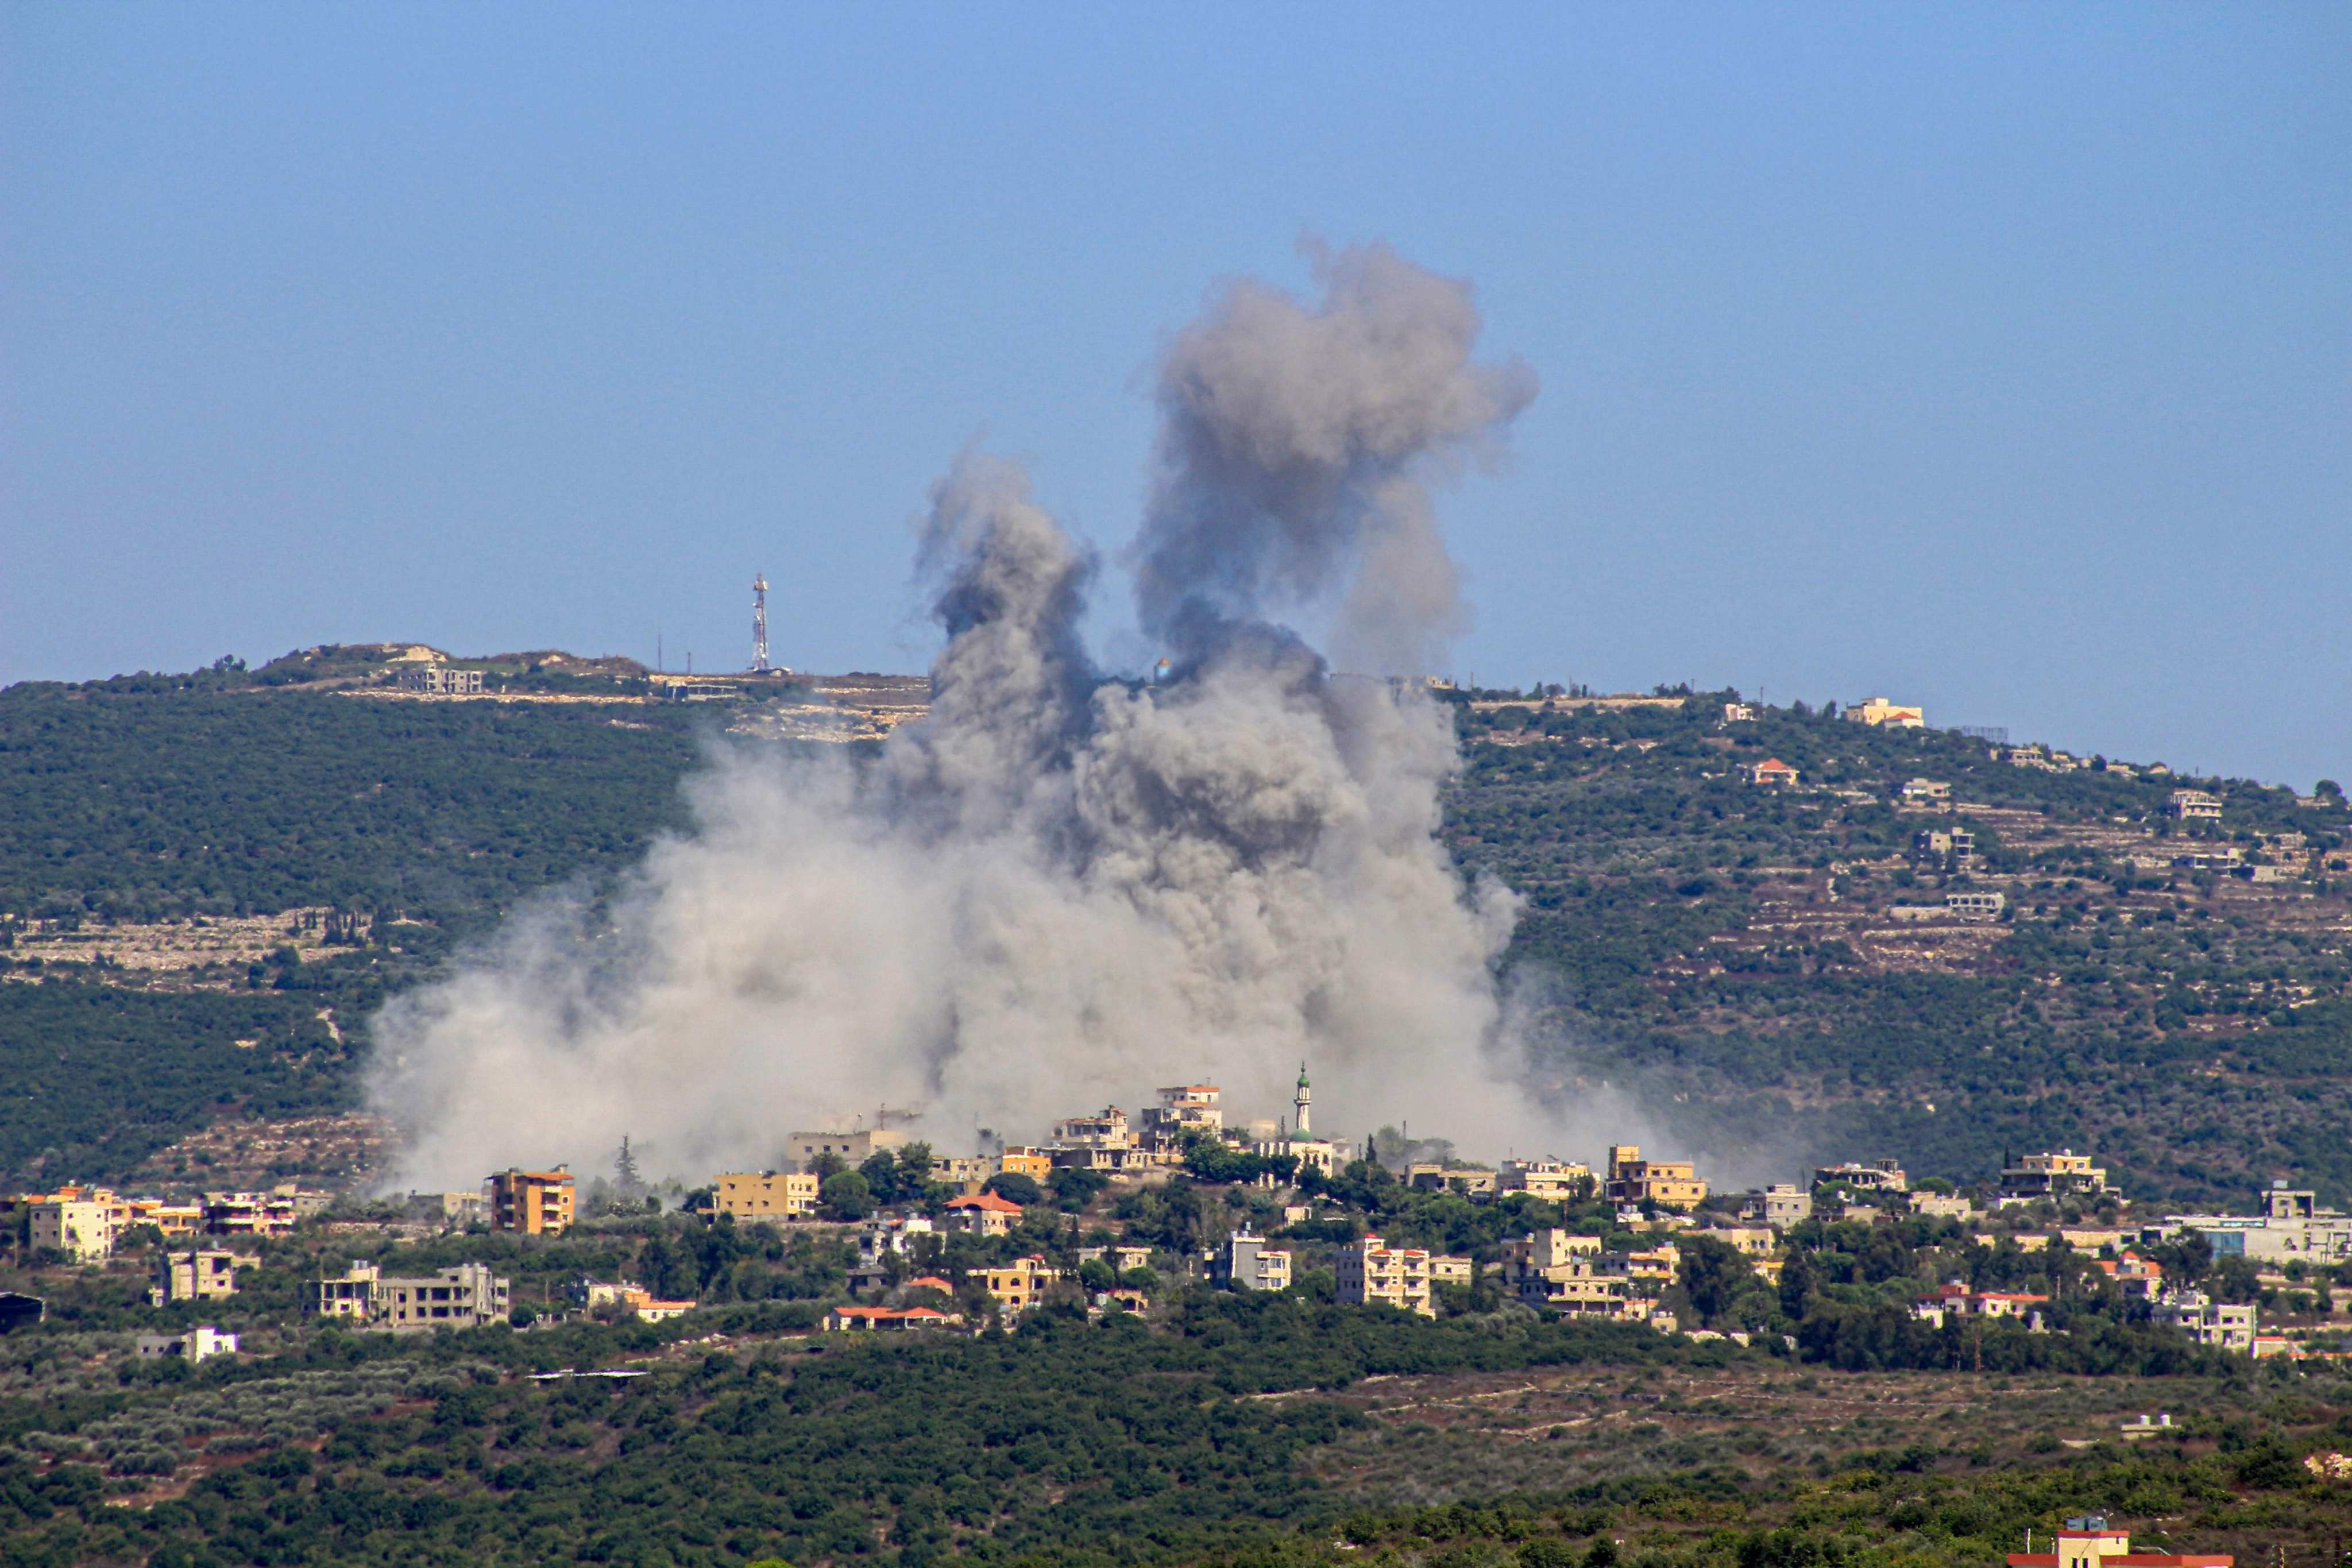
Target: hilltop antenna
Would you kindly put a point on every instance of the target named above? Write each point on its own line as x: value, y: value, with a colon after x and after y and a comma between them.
x: 760, y: 623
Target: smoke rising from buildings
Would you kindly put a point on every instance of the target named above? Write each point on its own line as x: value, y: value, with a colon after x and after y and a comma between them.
x: 1057, y: 891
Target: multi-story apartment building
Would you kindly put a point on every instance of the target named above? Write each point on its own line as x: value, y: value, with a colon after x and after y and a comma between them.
x: 1372, y: 1270
x: 1185, y: 1109
x: 1780, y: 1205
x: 531, y: 1203
x: 2194, y: 805
x: 462, y: 1297
x: 1107, y: 1128
x: 353, y: 1296
x: 83, y: 1229
x: 199, y: 1274
x: 2217, y: 1324
x: 440, y: 680
x: 266, y: 1213
x: 1954, y: 848
x: 1564, y: 1273
x: 1246, y: 1263
x: 766, y: 1195
x: 2055, y: 1175
x: 1669, y: 1184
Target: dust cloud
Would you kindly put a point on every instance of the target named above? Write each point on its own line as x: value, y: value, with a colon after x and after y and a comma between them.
x: 1061, y: 891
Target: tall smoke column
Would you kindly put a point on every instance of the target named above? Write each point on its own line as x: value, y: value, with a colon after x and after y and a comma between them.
x: 1293, y: 443
x: 1056, y: 890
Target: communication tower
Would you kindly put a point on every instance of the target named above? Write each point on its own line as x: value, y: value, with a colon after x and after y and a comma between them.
x: 760, y: 623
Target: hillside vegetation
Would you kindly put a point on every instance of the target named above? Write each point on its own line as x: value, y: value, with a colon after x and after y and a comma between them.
x: 1731, y: 953
x: 1736, y: 948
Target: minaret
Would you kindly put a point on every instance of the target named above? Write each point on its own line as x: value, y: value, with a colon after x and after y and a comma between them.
x: 1300, y: 1103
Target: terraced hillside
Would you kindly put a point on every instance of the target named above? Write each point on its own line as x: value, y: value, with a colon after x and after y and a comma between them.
x: 1770, y: 966
x: 1775, y: 963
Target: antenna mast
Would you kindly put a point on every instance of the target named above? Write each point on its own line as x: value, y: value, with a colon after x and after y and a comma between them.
x: 759, y: 624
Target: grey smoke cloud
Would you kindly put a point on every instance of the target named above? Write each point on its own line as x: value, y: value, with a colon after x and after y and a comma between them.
x: 1058, y: 892
x: 1296, y: 444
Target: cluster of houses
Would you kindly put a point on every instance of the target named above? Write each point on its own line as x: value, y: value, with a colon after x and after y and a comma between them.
x: 86, y: 1224
x: 1662, y: 1205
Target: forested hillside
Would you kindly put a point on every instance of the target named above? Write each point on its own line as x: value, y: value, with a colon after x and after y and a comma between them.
x: 1731, y: 953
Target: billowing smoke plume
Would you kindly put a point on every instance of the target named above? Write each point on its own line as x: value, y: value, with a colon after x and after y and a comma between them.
x: 1057, y: 892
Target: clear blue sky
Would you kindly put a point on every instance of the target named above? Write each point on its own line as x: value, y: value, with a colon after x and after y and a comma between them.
x: 1994, y: 357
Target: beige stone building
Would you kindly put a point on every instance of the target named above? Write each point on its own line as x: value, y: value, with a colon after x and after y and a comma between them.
x: 766, y: 1195
x: 1018, y: 1285
x: 1555, y: 1270
x: 199, y: 1274
x: 1877, y: 711
x: 1372, y: 1270
x: 465, y: 1297
x: 81, y: 1228
x: 1669, y: 1184
x: 2055, y: 1175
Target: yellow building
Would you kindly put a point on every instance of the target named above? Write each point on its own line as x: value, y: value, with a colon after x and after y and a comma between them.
x: 1555, y: 1270
x: 1372, y: 1270
x: 1878, y: 711
x: 172, y: 1220
x: 1669, y: 1184
x: 766, y: 1195
x: 2055, y: 1175
x: 531, y: 1203
x: 82, y: 1228
x: 1024, y: 1160
x: 1018, y: 1285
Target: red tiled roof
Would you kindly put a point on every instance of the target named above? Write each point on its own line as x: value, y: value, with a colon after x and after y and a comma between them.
x: 886, y: 1314
x: 987, y: 1201
x: 929, y: 1282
